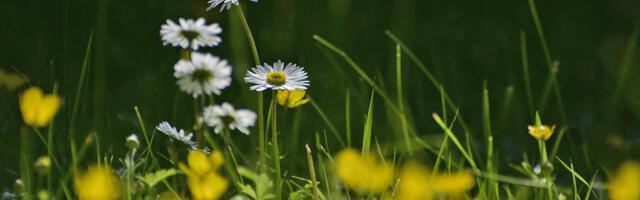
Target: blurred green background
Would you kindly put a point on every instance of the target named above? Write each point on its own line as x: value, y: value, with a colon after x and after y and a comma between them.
x: 461, y: 42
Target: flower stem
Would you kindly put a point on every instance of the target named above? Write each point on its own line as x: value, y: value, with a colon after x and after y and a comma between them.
x: 313, y: 172
x: 256, y: 59
x: 276, y: 154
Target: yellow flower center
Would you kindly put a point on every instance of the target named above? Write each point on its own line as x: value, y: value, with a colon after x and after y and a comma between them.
x: 276, y: 78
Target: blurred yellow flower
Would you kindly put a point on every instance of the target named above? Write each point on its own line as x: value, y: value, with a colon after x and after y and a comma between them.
x: 542, y: 131
x: 625, y: 184
x: 454, y: 185
x: 97, y: 183
x: 202, y: 177
x: 415, y: 183
x: 292, y: 99
x: 363, y: 173
x: 42, y: 165
x: 37, y: 109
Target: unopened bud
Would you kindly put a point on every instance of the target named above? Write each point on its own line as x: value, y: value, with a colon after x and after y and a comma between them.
x: 547, y: 168
x: 43, y: 165
x: 18, y: 186
x: 132, y: 142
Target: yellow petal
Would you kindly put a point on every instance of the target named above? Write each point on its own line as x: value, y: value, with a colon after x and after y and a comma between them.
x: 29, y: 105
x: 299, y: 103
x: 198, y: 162
x: 185, y: 169
x: 216, y: 159
x: 48, y: 108
x: 283, y: 96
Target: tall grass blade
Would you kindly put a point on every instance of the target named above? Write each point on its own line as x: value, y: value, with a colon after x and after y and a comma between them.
x: 525, y: 70
x: 347, y: 113
x: 403, y: 116
x: 81, y: 80
x: 326, y: 120
x: 366, y: 138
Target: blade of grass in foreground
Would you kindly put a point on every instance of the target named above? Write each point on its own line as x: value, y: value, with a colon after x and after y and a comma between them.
x: 403, y: 117
x: 366, y: 138
x: 455, y: 141
x: 347, y: 116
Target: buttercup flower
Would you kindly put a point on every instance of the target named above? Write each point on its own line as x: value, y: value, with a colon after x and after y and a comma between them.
x: 415, y: 183
x: 541, y: 132
x: 173, y: 133
x: 190, y: 34
x: 455, y: 184
x: 625, y: 184
x: 363, y: 173
x: 225, y: 4
x: 292, y: 99
x: 38, y: 109
x: 97, y: 183
x: 224, y: 115
x: 202, y: 177
x: 278, y: 77
x: 204, y: 73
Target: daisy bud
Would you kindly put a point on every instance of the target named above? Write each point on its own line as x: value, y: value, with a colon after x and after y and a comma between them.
x: 42, y: 165
x: 132, y: 142
x: 18, y: 187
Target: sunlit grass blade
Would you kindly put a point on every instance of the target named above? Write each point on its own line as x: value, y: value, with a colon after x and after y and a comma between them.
x: 574, y: 173
x: 366, y: 137
x: 455, y: 141
x: 403, y: 116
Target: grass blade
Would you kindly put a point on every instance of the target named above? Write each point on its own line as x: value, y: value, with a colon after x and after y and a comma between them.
x: 85, y: 64
x: 403, y: 118
x: 324, y: 117
x: 525, y: 70
x: 366, y: 138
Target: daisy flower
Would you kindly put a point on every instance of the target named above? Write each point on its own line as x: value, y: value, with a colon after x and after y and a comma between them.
x: 173, y: 133
x: 204, y: 73
x: 222, y: 116
x: 225, y: 4
x: 190, y: 33
x: 278, y: 77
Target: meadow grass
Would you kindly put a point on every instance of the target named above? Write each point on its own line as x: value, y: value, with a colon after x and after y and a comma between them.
x: 453, y: 160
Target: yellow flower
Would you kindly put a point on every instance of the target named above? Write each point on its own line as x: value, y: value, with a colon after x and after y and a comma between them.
x: 542, y: 131
x: 363, y: 173
x: 97, y: 183
x: 455, y: 184
x: 625, y: 184
x: 415, y: 183
x: 202, y: 177
x: 292, y: 99
x: 37, y: 109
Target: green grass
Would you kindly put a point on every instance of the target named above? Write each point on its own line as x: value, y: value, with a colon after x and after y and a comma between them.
x: 372, y: 89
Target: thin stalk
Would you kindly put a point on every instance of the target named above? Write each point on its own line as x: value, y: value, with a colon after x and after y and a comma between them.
x: 525, y: 70
x: 256, y: 59
x: 312, y: 171
x: 276, y: 153
x: 348, y: 116
x: 403, y: 118
x: 455, y: 140
x: 50, y: 143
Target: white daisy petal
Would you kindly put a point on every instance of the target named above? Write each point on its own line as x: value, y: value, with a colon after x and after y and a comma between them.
x: 226, y: 116
x: 190, y: 33
x: 278, y: 77
x: 203, y: 74
x: 225, y: 4
x: 174, y: 134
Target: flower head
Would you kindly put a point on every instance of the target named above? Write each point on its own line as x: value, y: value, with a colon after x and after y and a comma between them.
x: 415, y: 182
x: 224, y: 115
x: 454, y: 184
x: 174, y: 134
x: 38, y: 109
x: 132, y: 142
x: 224, y: 4
x: 278, y: 77
x: 202, y: 177
x: 190, y: 33
x: 43, y: 165
x: 541, y: 131
x: 97, y: 183
x: 292, y: 99
x: 363, y: 173
x: 203, y: 74
x: 625, y: 183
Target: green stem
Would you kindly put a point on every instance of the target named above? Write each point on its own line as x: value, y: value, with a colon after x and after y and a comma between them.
x: 256, y: 59
x: 403, y: 117
x: 276, y: 153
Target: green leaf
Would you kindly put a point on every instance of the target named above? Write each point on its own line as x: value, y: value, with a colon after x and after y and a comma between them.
x: 152, y: 179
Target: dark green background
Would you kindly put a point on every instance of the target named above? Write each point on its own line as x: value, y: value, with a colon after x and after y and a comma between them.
x: 461, y: 42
